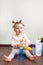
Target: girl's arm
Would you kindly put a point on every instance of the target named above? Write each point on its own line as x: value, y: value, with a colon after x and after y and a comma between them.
x: 27, y: 41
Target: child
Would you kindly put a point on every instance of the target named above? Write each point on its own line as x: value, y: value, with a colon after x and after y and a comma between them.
x: 17, y: 41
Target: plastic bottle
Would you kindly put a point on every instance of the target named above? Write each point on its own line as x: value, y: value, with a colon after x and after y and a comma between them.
x: 42, y: 49
x: 33, y: 49
x: 21, y: 54
x: 38, y: 47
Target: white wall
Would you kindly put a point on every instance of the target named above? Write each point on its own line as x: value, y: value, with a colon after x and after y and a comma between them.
x: 30, y: 11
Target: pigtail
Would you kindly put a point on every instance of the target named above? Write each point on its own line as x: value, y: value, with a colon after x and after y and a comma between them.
x: 13, y: 24
x: 13, y: 21
x: 20, y: 21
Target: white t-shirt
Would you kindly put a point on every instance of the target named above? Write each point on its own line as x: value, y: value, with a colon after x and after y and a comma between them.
x: 20, y: 39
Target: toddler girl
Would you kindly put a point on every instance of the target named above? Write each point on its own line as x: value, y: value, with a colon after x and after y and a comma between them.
x: 17, y: 41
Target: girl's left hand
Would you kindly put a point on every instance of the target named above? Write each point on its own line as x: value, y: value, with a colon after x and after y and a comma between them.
x: 26, y: 45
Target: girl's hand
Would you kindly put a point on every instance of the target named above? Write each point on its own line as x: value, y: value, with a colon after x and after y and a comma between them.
x: 19, y: 45
x: 15, y: 45
x: 26, y: 45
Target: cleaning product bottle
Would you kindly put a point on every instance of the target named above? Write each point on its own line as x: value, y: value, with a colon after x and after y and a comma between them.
x: 38, y: 47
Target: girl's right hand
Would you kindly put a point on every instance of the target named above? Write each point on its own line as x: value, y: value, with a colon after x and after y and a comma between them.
x: 16, y: 46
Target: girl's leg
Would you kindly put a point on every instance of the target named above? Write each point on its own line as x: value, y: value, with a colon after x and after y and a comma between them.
x: 30, y: 56
x: 11, y: 55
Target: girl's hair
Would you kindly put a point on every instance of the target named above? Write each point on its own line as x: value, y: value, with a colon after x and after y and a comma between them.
x: 20, y: 22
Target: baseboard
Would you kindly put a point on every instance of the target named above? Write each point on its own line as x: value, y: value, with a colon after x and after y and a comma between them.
x: 5, y: 45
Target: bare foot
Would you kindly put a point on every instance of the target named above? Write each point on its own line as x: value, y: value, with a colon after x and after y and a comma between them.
x: 35, y: 57
x: 5, y: 58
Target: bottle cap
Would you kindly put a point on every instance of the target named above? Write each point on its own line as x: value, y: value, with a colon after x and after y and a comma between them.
x: 33, y: 45
x: 39, y: 38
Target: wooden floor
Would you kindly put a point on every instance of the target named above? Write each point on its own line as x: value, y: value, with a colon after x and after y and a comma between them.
x: 16, y: 61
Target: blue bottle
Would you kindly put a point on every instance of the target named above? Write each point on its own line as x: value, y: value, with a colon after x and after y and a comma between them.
x: 21, y: 54
x: 42, y: 49
x: 33, y: 49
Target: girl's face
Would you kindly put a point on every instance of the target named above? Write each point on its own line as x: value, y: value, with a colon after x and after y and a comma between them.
x: 18, y: 28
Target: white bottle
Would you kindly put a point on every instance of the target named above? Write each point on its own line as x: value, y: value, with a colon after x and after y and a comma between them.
x: 38, y: 47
